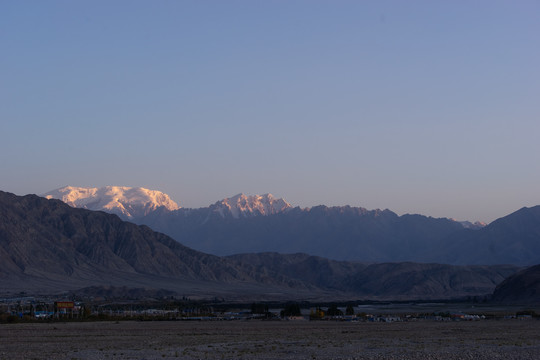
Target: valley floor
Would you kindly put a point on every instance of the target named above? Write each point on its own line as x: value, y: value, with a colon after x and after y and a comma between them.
x: 490, y: 339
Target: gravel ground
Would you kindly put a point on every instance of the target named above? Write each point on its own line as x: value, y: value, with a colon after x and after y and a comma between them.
x: 488, y: 339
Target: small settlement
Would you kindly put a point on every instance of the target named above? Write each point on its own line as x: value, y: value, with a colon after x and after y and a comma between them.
x: 29, y: 308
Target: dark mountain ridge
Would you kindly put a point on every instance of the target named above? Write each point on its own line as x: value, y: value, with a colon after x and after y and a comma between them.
x: 357, y: 234
x: 520, y: 288
x: 340, y: 233
x: 46, y: 245
x: 396, y: 281
x: 253, y: 224
x: 513, y: 239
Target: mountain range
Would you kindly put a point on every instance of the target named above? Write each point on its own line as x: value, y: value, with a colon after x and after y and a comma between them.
x: 47, y: 246
x: 263, y: 223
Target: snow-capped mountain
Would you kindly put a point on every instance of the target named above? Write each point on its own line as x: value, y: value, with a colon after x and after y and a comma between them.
x: 242, y: 205
x: 134, y: 203
x: 127, y: 202
x: 473, y: 225
x: 263, y: 223
x: 100, y: 253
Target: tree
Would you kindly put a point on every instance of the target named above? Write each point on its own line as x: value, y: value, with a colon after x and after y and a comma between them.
x: 334, y: 311
x: 259, y: 308
x: 291, y: 310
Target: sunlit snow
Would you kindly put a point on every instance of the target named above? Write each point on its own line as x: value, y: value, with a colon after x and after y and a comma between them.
x: 244, y: 205
x: 128, y: 201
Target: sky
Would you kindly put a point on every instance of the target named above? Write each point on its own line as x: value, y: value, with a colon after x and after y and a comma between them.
x: 429, y: 107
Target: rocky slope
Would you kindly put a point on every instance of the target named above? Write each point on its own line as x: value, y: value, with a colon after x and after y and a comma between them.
x: 520, y: 288
x: 396, y: 281
x: 46, y: 244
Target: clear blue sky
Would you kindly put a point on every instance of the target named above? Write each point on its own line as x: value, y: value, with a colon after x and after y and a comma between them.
x: 429, y: 107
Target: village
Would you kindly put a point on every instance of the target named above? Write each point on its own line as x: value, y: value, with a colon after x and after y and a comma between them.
x: 47, y: 308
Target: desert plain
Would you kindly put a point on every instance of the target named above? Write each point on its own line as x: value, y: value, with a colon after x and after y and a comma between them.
x: 256, y: 339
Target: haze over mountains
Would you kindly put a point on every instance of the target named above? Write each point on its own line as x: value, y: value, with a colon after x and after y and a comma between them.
x: 46, y: 245
x: 254, y: 224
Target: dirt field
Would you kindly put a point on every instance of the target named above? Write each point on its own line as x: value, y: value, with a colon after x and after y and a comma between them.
x: 488, y: 339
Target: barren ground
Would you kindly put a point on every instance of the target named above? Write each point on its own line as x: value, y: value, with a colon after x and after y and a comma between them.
x: 488, y: 339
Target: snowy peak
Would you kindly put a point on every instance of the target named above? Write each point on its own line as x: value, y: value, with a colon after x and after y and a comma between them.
x: 242, y: 205
x: 127, y: 202
x: 471, y: 225
x: 136, y: 202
